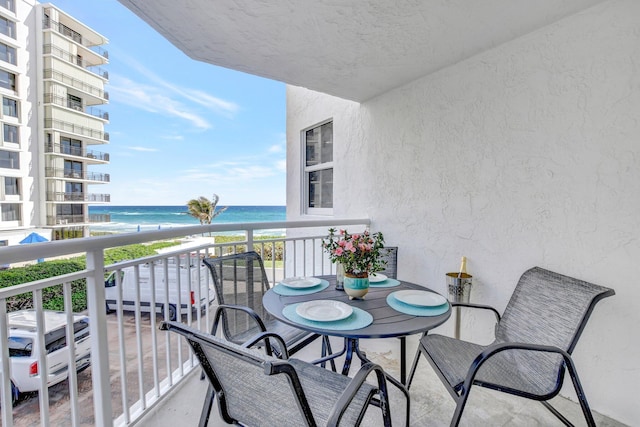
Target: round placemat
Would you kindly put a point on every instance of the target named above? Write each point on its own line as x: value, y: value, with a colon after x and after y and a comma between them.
x: 357, y: 320
x: 281, y: 289
x: 415, y: 310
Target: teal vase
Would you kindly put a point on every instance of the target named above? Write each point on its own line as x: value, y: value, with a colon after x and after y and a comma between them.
x: 356, y: 287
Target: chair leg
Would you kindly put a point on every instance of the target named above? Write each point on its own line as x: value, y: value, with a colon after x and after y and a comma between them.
x: 460, y: 404
x: 580, y: 392
x: 206, y: 407
x: 414, y: 365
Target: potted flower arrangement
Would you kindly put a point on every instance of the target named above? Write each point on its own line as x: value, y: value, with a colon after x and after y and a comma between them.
x: 359, y: 254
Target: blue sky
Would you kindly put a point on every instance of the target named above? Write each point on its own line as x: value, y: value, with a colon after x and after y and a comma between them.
x: 180, y: 129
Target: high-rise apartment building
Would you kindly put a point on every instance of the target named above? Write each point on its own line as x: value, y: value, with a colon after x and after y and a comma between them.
x: 52, y: 84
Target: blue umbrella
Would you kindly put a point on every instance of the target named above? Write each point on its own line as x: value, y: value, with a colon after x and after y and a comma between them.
x: 34, y: 238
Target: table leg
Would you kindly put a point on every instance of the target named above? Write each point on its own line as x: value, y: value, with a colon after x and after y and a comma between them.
x: 392, y: 380
x: 403, y: 360
x: 350, y: 344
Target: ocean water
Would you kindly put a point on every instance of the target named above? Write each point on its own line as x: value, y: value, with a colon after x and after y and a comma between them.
x: 127, y: 219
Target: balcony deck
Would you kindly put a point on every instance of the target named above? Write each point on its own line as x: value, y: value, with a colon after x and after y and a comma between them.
x: 141, y: 377
x: 431, y: 404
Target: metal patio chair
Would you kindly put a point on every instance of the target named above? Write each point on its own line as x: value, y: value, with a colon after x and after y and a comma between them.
x: 240, y: 281
x: 533, y: 343
x: 255, y: 388
x: 390, y: 257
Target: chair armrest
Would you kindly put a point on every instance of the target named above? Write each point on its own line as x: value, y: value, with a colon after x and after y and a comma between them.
x: 284, y: 353
x: 478, y: 306
x: 500, y: 347
x: 350, y: 392
x: 222, y: 307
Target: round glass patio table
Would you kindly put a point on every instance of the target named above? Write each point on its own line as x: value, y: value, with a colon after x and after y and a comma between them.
x: 387, y: 322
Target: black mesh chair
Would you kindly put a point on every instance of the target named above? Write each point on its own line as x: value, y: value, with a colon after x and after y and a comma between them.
x: 240, y: 282
x: 255, y: 388
x: 390, y: 257
x: 534, y: 340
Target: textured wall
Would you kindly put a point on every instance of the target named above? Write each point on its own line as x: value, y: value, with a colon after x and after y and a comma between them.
x: 525, y: 155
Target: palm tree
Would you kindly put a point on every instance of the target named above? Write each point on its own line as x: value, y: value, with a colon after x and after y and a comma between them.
x: 204, y: 209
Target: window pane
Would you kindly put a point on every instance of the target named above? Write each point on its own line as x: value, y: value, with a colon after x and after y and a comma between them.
x: 9, y: 107
x: 7, y: 80
x: 7, y: 54
x: 10, y: 133
x: 10, y: 212
x: 321, y: 189
x: 312, y: 140
x: 9, y: 160
x: 11, y: 186
x: 8, y: 4
x: 326, y: 133
x: 7, y: 27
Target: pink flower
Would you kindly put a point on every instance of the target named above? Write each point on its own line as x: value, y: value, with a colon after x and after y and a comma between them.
x: 349, y: 246
x: 339, y: 251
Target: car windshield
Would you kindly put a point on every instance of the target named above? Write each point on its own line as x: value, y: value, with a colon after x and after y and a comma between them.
x: 20, y: 346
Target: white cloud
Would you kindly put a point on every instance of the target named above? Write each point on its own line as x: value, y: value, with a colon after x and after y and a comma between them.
x: 153, y: 100
x: 277, y: 148
x: 213, y: 103
x: 134, y: 148
x: 172, y: 137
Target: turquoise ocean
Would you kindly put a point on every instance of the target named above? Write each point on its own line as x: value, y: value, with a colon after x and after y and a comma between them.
x: 127, y: 219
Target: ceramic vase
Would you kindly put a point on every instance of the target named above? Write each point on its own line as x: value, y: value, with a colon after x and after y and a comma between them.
x: 356, y: 286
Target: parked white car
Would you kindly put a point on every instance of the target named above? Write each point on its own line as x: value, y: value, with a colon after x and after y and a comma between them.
x: 182, y: 292
x: 24, y: 350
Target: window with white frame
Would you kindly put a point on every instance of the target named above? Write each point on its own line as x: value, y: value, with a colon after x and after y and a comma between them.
x: 10, y: 107
x: 10, y: 133
x: 10, y: 211
x: 11, y: 186
x: 9, y: 159
x: 8, y: 4
x: 7, y: 80
x: 318, y: 168
x: 7, y: 27
x: 8, y: 54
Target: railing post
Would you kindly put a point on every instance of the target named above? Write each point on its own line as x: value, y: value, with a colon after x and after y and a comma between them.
x: 99, y: 342
x: 249, y: 234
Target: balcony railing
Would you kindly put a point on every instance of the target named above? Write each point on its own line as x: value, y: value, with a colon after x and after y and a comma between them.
x: 76, y: 60
x: 77, y: 197
x: 77, y: 219
x: 50, y: 98
x: 76, y: 129
x: 149, y: 363
x: 76, y: 151
x: 76, y: 83
x: 76, y: 174
x: 73, y: 35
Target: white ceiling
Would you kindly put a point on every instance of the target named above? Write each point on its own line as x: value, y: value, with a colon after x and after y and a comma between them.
x: 354, y: 49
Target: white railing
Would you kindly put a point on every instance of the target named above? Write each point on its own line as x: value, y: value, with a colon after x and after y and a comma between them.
x: 145, y: 363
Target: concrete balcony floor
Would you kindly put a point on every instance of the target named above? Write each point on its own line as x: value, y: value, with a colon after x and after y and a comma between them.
x: 431, y: 404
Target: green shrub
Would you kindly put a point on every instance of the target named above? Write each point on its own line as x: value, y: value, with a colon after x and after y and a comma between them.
x: 44, y: 270
x: 53, y: 297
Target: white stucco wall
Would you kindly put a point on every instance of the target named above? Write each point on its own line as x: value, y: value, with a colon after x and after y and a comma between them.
x: 525, y: 155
